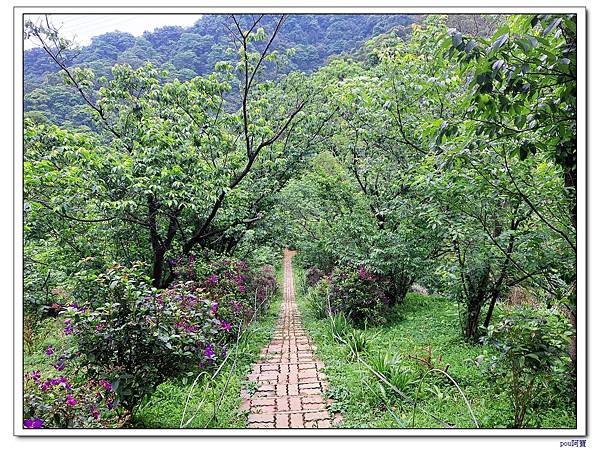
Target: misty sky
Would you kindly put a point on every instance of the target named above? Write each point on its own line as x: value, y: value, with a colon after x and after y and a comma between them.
x: 84, y: 26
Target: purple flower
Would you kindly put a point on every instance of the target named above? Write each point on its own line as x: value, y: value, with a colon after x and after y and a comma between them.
x: 95, y: 412
x: 225, y: 325
x: 68, y: 327
x: 60, y: 364
x: 35, y: 375
x: 184, y: 326
x: 236, y: 306
x: 50, y: 350
x: 64, y: 383
x: 209, y: 352
x: 106, y: 385
x: 190, y: 300
x: 213, y: 308
x: 99, y: 326
x: 71, y: 400
x: 33, y: 423
x: 212, y: 279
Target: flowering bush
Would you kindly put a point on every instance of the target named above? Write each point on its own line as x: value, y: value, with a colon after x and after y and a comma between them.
x: 132, y: 337
x: 55, y: 402
x: 359, y: 294
x: 313, y: 275
x: 264, y: 284
x: 138, y: 337
x: 237, y: 292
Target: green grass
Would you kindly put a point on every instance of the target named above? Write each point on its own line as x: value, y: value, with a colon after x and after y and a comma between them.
x: 419, y: 323
x: 47, y: 333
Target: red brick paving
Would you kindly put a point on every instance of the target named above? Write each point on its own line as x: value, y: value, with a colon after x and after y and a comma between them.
x: 290, y: 383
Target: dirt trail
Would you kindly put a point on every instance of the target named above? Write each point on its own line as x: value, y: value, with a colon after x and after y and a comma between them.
x: 289, y: 383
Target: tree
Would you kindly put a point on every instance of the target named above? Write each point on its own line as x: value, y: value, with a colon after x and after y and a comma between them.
x: 179, y: 152
x: 524, y: 95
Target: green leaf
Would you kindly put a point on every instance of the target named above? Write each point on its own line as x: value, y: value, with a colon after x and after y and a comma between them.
x: 498, y: 43
x: 470, y: 46
x: 457, y: 39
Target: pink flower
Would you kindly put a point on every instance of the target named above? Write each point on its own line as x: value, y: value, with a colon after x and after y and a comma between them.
x: 71, y: 400
x: 225, y: 325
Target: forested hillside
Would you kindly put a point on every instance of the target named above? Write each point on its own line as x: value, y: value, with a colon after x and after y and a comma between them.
x: 422, y: 186
x: 188, y: 52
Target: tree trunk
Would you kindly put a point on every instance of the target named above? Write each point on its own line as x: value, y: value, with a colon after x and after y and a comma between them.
x: 158, y: 269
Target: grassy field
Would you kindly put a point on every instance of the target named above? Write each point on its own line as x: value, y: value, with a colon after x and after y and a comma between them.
x: 420, y: 324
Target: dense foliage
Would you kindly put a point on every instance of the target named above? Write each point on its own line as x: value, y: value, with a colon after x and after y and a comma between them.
x: 439, y: 157
x: 188, y: 52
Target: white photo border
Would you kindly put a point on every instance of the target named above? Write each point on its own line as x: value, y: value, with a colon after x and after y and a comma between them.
x: 332, y: 7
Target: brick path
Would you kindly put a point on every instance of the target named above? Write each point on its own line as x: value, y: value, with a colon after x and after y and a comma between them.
x: 290, y: 384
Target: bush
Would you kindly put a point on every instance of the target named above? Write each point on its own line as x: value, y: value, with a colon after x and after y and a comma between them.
x: 314, y: 275
x: 237, y: 292
x: 133, y: 337
x: 138, y: 337
x: 359, y: 294
x: 57, y: 403
x: 533, y: 353
x: 264, y: 283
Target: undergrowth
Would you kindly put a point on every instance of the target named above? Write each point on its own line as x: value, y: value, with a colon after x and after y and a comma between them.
x: 419, y: 335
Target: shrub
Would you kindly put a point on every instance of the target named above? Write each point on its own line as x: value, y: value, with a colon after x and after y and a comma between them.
x: 138, y: 337
x: 314, y: 275
x: 237, y: 292
x: 533, y: 350
x: 56, y: 402
x: 359, y: 294
x: 264, y: 283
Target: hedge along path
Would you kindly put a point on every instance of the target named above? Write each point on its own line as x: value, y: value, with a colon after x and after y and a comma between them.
x: 290, y: 385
